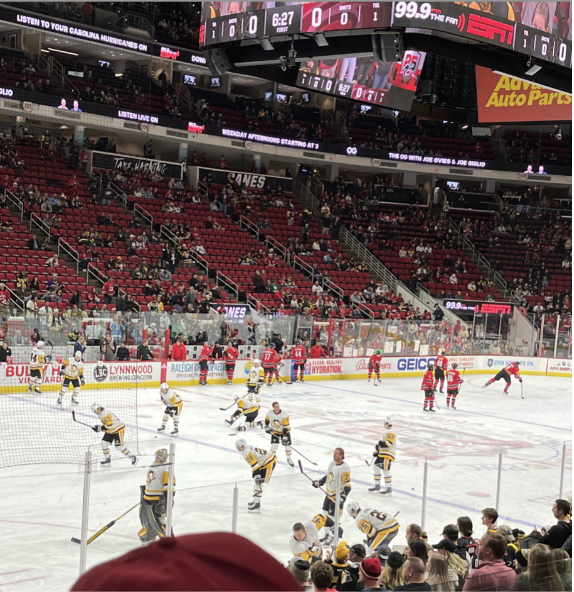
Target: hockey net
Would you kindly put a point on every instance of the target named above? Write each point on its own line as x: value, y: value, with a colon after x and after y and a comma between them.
x: 35, y: 430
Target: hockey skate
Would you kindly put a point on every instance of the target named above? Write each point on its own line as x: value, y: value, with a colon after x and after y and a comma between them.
x: 134, y: 460
x: 240, y: 428
x: 37, y: 390
x: 259, y: 424
x: 162, y: 429
x: 254, y: 507
x: 228, y: 422
x: 230, y: 382
x: 301, y: 379
x: 387, y: 490
x: 75, y: 400
x: 59, y: 402
x: 30, y: 388
x: 375, y: 488
x: 328, y: 538
x: 432, y: 410
x: 290, y: 462
x: 106, y: 461
x: 453, y: 407
x: 175, y: 432
x: 425, y: 409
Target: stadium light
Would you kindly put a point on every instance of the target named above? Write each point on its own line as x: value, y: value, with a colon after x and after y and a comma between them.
x: 266, y: 44
x: 533, y: 68
x: 320, y: 40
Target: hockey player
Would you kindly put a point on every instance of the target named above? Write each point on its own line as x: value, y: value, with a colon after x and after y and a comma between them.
x: 453, y: 382
x: 277, y: 424
x: 269, y: 362
x: 256, y: 377
x: 154, y: 498
x: 204, y: 359
x: 384, y: 456
x: 304, y: 543
x: 262, y: 464
x: 429, y: 386
x: 506, y: 373
x: 72, y: 371
x: 230, y: 356
x: 338, y: 464
x: 299, y: 355
x: 37, y: 360
x: 114, y: 432
x: 375, y: 366
x: 248, y: 407
x: 440, y: 367
x: 379, y: 528
x: 173, y: 406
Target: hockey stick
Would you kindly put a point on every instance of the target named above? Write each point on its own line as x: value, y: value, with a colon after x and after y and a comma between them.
x: 370, y: 463
x: 226, y: 408
x: 312, y: 480
x: 81, y: 422
x: 307, y: 459
x: 521, y: 391
x: 284, y: 381
x: 106, y: 527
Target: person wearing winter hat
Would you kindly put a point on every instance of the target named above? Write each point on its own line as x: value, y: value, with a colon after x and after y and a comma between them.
x: 369, y: 573
x: 342, y: 577
x: 392, y: 574
x: 301, y: 572
x: 207, y: 561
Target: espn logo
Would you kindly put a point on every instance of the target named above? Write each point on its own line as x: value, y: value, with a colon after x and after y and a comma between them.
x: 488, y: 28
x: 496, y: 308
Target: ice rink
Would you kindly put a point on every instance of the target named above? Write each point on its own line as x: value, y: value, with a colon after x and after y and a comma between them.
x: 40, y: 505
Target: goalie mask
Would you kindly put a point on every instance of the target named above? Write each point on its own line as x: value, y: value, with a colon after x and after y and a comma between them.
x: 161, y: 456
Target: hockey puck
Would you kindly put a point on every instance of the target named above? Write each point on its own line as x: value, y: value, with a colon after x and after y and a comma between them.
x: 75, y: 540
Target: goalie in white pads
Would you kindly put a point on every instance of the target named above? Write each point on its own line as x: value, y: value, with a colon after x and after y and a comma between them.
x: 277, y: 424
x: 114, y: 430
x: 262, y: 464
x: 384, y: 455
x: 173, y: 406
x: 379, y: 528
x: 339, y: 465
x: 154, y: 498
x: 37, y: 361
x: 304, y: 543
x: 72, y: 372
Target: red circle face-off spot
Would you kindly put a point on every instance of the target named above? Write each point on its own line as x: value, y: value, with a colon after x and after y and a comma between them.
x: 478, y: 494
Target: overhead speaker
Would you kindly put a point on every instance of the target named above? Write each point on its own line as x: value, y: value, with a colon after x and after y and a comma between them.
x: 217, y: 61
x: 388, y: 46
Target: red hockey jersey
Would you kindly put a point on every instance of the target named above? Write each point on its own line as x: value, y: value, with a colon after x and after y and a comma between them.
x: 230, y: 354
x: 512, y: 368
x: 299, y: 354
x: 453, y: 379
x: 268, y: 358
x: 375, y: 360
x: 441, y: 362
x: 205, y: 354
x: 428, y: 381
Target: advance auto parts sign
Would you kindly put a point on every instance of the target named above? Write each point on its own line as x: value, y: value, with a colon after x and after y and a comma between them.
x: 501, y: 99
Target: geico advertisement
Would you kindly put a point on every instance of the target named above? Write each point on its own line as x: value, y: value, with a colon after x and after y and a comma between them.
x: 121, y: 372
x: 190, y: 370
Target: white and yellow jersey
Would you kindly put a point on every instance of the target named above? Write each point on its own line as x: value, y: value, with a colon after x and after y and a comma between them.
x: 387, y: 446
x: 111, y: 423
x: 249, y: 403
x: 171, y: 398
x: 279, y: 422
x: 157, y: 481
x: 256, y: 376
x: 345, y: 478
x: 309, y: 546
x: 37, y: 359
x: 72, y: 368
x: 257, y: 458
x: 375, y: 525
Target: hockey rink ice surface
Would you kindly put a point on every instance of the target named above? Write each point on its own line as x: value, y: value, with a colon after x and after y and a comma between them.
x: 40, y: 505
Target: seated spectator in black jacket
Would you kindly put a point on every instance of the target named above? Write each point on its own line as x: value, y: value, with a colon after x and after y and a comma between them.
x: 123, y: 353
x: 144, y: 352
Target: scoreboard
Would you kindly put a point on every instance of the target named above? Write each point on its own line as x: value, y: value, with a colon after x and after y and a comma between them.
x: 538, y: 29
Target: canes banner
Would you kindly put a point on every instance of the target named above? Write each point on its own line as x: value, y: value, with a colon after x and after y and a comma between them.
x: 501, y: 98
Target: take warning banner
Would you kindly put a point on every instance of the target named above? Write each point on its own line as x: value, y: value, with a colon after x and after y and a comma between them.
x: 503, y: 99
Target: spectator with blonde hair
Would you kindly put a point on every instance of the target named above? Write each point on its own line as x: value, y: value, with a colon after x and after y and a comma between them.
x: 541, y: 573
x: 441, y: 576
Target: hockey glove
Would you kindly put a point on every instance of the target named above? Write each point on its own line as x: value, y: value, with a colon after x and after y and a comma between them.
x: 267, y: 429
x: 97, y: 428
x: 285, y: 441
x: 316, y: 484
x: 520, y: 380
x: 48, y: 358
x: 62, y: 371
x: 82, y: 381
x: 376, y: 453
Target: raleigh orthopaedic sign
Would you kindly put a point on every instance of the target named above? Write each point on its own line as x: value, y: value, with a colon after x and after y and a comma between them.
x: 502, y: 99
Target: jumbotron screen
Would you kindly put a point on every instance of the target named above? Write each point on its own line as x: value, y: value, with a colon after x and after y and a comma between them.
x: 538, y: 29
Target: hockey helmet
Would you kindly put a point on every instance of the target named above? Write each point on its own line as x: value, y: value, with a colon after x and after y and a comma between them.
x: 454, y: 365
x: 517, y: 362
x: 379, y: 352
x: 443, y: 352
x: 96, y: 407
x: 164, y: 388
x: 353, y: 508
x: 240, y: 444
x: 78, y: 355
x: 388, y: 421
x: 430, y: 365
x: 255, y: 362
x: 40, y: 344
x: 161, y: 455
